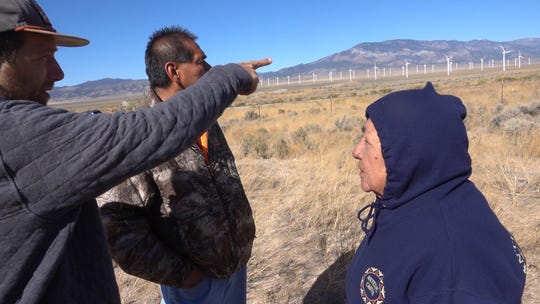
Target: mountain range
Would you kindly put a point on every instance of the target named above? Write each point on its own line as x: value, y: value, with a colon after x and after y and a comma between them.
x: 391, y: 53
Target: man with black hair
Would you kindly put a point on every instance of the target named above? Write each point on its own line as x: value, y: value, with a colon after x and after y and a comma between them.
x: 186, y: 224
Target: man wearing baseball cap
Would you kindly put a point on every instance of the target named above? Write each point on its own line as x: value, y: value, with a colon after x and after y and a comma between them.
x: 53, y: 163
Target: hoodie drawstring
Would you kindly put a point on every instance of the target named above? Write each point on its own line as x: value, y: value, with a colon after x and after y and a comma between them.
x: 373, y: 212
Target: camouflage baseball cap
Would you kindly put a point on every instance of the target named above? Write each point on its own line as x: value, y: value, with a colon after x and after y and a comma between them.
x: 27, y: 15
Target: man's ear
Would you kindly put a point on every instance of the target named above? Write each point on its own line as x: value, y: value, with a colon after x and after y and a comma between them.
x: 172, y: 73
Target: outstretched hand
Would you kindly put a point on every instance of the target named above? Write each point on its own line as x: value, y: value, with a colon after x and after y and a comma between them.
x: 251, y: 66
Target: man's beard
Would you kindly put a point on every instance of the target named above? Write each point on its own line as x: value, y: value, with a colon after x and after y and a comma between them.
x: 18, y: 93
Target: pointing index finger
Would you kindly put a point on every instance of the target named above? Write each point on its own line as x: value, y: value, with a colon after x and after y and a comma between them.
x: 259, y: 63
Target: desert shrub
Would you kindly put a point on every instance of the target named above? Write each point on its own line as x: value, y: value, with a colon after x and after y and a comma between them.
x: 516, y: 125
x: 293, y: 113
x: 477, y: 117
x: 301, y: 137
x: 533, y: 109
x: 300, y: 134
x: 506, y: 78
x: 517, y: 119
x: 313, y: 128
x: 347, y: 124
x: 256, y: 144
x: 532, y: 146
x: 251, y: 115
x: 253, y: 145
x: 278, y: 100
x: 280, y: 148
x: 314, y: 111
x: 132, y: 104
x: 499, y: 108
x: 265, y: 145
x: 225, y: 124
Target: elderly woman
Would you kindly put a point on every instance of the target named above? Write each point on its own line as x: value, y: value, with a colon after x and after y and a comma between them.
x: 431, y: 236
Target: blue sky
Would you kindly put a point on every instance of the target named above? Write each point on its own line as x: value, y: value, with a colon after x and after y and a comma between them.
x: 290, y: 32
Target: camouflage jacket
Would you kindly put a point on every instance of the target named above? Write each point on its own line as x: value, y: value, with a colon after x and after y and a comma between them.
x: 182, y: 214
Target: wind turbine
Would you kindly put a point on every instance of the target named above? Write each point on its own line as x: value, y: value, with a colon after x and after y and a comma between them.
x: 448, y: 65
x: 519, y: 59
x: 482, y: 63
x: 504, y: 52
x: 375, y: 68
x: 407, y: 68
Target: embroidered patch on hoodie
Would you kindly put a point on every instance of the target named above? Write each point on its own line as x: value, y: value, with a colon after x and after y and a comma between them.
x: 372, y: 286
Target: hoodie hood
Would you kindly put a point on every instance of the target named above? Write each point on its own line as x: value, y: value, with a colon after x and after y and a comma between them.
x: 424, y: 142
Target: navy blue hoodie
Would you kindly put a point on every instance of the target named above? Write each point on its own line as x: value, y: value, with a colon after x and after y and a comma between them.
x: 433, y: 237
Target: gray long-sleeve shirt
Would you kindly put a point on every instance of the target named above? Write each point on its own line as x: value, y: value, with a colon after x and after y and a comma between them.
x: 53, y: 164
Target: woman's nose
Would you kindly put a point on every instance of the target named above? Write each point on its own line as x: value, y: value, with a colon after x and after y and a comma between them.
x: 356, y: 152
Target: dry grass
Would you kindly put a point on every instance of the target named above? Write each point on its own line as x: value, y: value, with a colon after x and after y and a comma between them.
x: 305, y: 191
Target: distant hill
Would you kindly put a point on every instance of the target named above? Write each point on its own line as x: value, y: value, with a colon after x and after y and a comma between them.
x: 391, y: 53
x: 101, y: 88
